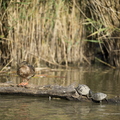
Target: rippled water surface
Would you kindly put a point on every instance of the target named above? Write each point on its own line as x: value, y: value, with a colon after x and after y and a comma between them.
x: 38, y: 108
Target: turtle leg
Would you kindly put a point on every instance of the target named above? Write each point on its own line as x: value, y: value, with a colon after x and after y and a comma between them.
x: 80, y: 97
x: 106, y: 100
x: 100, y: 101
x: 88, y: 97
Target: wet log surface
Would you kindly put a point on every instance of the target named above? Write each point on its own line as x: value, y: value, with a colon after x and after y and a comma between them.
x: 50, y: 91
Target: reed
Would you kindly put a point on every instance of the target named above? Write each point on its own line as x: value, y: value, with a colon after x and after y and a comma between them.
x: 104, y: 25
x: 58, y: 32
x: 49, y: 31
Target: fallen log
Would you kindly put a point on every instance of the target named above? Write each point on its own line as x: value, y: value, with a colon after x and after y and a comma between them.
x: 50, y: 91
x: 31, y: 89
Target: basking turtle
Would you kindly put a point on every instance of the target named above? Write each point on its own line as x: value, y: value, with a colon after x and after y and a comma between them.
x: 25, y: 71
x: 83, y: 90
x: 99, y: 97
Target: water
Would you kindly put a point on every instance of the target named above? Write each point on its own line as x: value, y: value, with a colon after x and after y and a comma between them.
x: 38, y: 108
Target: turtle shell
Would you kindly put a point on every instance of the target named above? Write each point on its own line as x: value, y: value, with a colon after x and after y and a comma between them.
x: 99, y: 96
x: 83, y: 89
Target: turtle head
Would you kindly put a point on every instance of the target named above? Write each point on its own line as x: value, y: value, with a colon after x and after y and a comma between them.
x: 90, y: 93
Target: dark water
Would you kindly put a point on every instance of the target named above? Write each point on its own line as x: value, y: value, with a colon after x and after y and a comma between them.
x: 38, y: 108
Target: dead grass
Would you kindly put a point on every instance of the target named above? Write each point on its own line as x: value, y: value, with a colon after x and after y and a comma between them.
x: 54, y: 32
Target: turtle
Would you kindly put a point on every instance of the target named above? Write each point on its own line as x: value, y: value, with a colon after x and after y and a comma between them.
x: 25, y: 71
x: 83, y: 90
x: 98, y: 97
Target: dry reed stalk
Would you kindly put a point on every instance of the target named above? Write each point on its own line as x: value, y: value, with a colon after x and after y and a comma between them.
x: 52, y: 30
x: 106, y: 15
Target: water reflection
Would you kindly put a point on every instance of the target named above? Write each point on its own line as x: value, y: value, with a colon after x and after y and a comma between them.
x: 36, y: 108
x: 31, y: 108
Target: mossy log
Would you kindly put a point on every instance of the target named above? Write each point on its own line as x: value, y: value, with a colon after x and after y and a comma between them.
x: 50, y: 91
